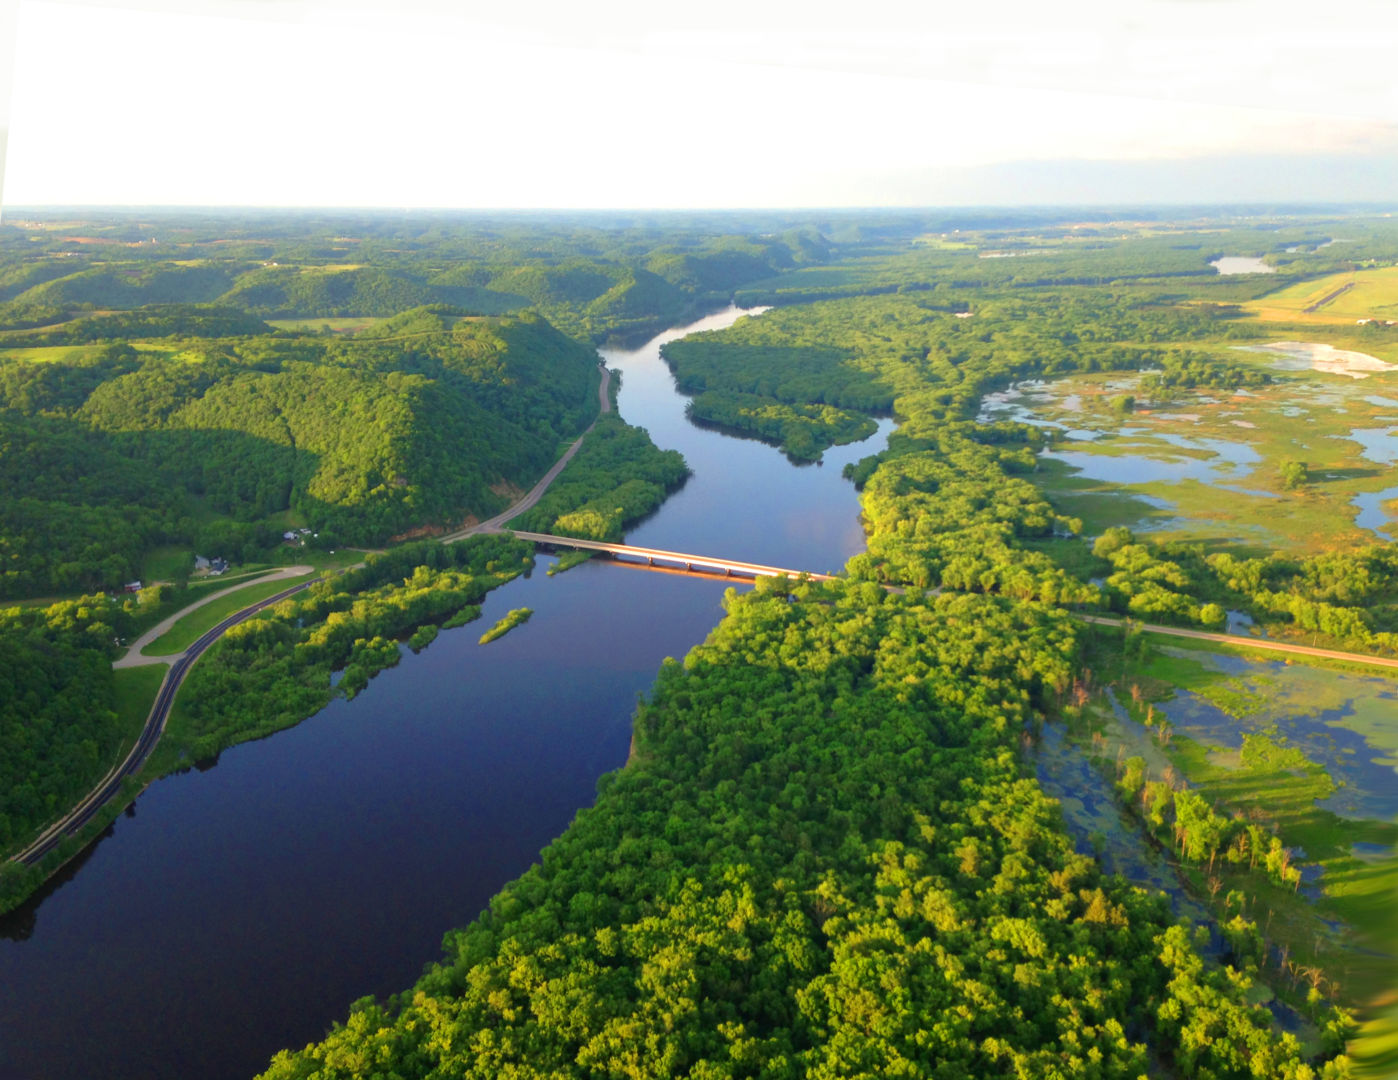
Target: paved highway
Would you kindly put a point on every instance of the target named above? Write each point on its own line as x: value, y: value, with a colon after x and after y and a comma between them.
x: 155, y: 723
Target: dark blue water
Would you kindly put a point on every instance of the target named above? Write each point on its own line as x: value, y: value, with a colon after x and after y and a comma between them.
x: 243, y: 908
x: 745, y: 499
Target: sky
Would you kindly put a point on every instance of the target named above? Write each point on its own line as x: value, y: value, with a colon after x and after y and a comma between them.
x: 761, y: 103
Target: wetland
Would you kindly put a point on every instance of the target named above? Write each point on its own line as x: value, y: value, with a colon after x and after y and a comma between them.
x: 1207, y: 464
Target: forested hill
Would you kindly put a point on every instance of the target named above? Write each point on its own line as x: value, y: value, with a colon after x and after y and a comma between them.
x: 110, y: 449
x: 591, y: 283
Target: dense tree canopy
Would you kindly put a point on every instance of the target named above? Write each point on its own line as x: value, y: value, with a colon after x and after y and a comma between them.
x: 845, y: 875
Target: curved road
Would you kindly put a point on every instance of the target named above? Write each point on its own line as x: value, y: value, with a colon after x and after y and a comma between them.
x: 133, y: 657
x: 86, y: 810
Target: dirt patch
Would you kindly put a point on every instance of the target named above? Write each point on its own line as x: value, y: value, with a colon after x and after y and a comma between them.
x: 420, y: 533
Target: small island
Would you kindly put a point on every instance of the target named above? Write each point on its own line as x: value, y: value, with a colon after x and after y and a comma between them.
x: 505, y: 625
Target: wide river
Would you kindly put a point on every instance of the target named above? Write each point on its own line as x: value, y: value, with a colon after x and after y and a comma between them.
x: 242, y: 908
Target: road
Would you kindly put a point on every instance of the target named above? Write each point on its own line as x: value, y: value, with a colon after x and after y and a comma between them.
x: 528, y: 502
x: 86, y: 810
x: 1248, y: 642
x: 1328, y: 298
x: 654, y: 557
x: 180, y: 663
x: 133, y: 657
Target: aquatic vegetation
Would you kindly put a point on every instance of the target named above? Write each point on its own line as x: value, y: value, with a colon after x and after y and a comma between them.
x: 507, y: 622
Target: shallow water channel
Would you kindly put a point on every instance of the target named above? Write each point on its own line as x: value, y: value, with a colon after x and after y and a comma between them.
x: 242, y: 908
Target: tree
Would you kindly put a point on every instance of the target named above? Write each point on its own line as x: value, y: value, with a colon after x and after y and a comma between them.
x: 1294, y: 474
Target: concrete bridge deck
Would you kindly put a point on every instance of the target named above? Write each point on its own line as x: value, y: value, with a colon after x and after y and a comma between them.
x: 657, y: 556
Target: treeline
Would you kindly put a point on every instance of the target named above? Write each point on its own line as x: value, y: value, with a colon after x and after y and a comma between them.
x: 1349, y: 597
x: 824, y: 859
x: 1202, y: 835
x: 803, y: 432
x: 59, y: 729
x: 957, y: 517
x: 616, y: 478
x: 1186, y: 371
x: 991, y: 260
x: 591, y: 284
x: 151, y: 322
x: 951, y: 502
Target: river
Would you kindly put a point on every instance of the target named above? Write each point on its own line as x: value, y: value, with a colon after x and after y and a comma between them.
x: 241, y: 908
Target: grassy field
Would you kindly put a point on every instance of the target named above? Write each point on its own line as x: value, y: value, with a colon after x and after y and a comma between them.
x: 348, y: 324
x: 185, y: 632
x: 136, y: 688
x: 1336, y: 298
x: 325, y: 560
x: 165, y: 563
x: 47, y: 354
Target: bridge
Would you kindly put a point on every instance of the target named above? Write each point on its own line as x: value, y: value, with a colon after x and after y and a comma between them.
x: 675, y: 559
x: 678, y: 561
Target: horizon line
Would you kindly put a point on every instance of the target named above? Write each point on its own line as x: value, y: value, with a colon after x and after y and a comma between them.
x: 750, y: 209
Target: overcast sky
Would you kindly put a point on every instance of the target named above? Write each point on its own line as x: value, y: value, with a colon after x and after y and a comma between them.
x: 611, y: 103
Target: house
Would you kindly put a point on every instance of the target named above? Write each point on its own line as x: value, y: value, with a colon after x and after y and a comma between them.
x: 131, y: 586
x: 218, y: 566
x: 290, y: 536
x: 200, y: 563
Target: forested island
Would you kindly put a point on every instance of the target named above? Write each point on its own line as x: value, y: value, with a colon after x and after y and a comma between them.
x: 839, y: 847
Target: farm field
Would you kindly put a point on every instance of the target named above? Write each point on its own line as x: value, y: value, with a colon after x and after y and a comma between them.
x: 338, y: 324
x: 1336, y: 298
